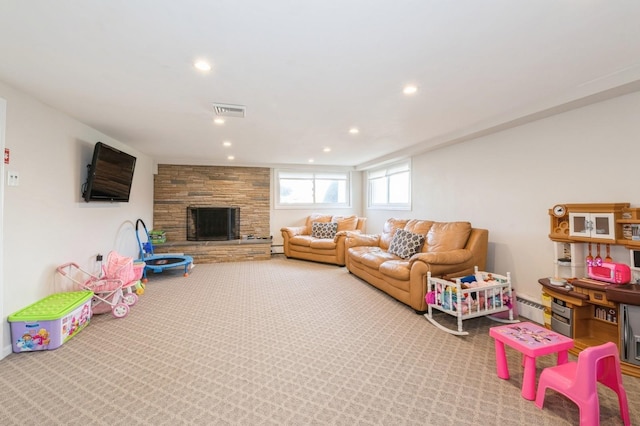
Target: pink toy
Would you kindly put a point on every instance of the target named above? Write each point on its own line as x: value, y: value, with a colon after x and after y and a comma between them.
x: 107, y: 293
x: 430, y: 297
x: 123, y: 268
x: 578, y: 381
x: 532, y: 340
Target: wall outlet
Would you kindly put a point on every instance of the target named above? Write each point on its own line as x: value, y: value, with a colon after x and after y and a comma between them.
x: 13, y: 179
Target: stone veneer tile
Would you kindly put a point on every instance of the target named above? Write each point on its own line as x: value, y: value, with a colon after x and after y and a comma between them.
x: 176, y: 187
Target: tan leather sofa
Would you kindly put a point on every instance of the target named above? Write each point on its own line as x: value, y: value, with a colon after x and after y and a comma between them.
x: 300, y: 243
x: 451, y: 249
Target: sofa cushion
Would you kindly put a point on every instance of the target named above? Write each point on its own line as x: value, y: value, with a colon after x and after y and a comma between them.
x: 357, y: 253
x: 349, y: 223
x: 324, y: 230
x: 398, y: 269
x: 371, y: 257
x: 301, y: 240
x: 323, y: 244
x: 405, y: 244
x: 418, y: 226
x: 446, y: 236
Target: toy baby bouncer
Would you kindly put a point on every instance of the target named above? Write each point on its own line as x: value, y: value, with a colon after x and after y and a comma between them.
x: 158, y: 262
x: 480, y: 294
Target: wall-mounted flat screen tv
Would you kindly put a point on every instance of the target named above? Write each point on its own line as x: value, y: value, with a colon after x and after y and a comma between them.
x: 110, y: 175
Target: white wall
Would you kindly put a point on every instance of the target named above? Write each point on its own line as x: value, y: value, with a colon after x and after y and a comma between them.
x: 3, y: 110
x: 46, y: 222
x: 507, y: 181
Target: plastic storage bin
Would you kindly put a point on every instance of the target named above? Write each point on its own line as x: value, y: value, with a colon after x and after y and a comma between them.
x: 50, y: 322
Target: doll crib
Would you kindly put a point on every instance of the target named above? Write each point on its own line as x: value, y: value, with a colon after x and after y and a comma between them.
x: 480, y: 294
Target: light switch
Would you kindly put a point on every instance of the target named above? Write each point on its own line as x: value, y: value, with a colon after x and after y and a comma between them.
x: 13, y: 179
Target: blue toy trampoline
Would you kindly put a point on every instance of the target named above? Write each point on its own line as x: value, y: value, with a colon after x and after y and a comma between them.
x: 158, y: 262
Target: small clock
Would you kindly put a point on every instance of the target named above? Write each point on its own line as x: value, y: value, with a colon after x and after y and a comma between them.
x: 559, y: 210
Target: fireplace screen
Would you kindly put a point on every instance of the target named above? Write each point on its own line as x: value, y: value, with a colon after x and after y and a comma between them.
x: 213, y: 223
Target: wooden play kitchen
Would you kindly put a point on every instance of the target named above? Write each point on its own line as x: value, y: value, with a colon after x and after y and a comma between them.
x: 592, y: 297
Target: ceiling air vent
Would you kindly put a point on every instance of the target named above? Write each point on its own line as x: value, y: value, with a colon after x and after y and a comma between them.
x: 228, y: 110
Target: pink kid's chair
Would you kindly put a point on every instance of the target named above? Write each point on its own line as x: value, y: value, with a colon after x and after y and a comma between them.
x: 578, y: 381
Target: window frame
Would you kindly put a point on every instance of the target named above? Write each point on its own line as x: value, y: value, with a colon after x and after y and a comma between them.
x: 387, y: 172
x: 316, y: 175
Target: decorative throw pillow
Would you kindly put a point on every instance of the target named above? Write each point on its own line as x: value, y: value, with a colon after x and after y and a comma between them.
x: 405, y: 244
x: 316, y: 217
x: 324, y: 229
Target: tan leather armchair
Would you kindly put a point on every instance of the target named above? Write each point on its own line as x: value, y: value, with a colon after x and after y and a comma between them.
x: 451, y: 249
x: 300, y: 243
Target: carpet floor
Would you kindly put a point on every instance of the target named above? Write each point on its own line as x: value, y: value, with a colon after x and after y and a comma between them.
x: 277, y: 342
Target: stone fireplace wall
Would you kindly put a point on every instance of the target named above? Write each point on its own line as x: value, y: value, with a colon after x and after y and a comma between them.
x: 176, y: 187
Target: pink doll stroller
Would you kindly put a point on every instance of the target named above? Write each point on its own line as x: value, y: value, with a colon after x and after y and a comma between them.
x: 123, y: 268
x: 107, y: 293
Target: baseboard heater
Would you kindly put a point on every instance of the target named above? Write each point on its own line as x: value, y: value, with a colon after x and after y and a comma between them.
x: 530, y: 309
x: 277, y: 249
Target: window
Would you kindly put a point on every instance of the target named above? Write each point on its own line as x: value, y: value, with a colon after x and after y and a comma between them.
x: 390, y: 187
x: 322, y: 189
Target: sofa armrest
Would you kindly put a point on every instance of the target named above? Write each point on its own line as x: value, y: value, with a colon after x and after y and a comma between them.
x: 292, y: 231
x: 451, y: 257
x: 368, y: 240
x: 346, y: 234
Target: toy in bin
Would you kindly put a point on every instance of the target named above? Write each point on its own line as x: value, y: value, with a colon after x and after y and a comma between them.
x: 50, y: 322
x: 157, y: 237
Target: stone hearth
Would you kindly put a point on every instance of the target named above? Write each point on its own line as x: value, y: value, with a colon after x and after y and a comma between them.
x: 219, y: 251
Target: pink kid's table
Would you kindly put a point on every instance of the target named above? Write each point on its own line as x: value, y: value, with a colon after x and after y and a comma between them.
x: 532, y: 340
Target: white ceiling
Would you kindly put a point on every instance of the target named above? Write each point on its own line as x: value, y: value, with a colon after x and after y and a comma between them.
x: 307, y: 71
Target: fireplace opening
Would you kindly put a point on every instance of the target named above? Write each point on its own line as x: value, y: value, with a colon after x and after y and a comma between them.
x: 213, y: 223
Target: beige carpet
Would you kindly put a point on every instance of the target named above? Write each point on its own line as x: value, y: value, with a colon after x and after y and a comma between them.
x: 276, y: 342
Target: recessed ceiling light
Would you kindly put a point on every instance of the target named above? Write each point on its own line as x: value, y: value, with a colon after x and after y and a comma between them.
x: 202, y: 65
x: 354, y: 130
x: 326, y: 149
x: 231, y: 157
x: 409, y: 90
x: 218, y: 120
x: 311, y: 160
x: 226, y: 143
